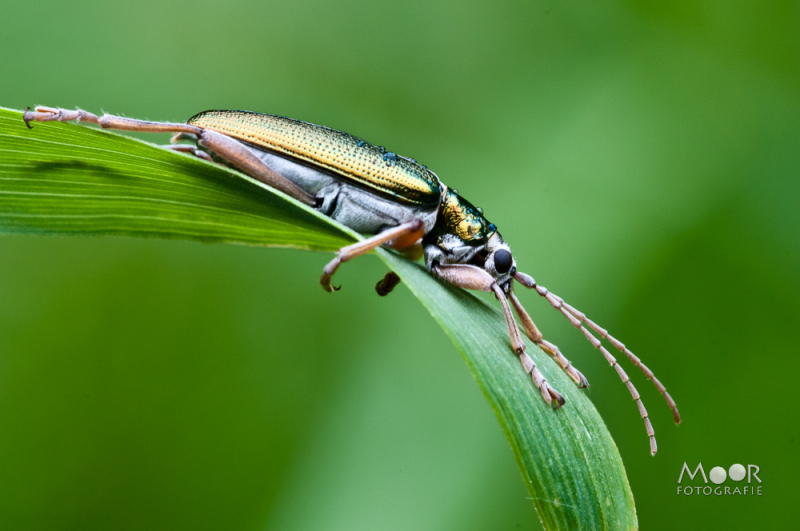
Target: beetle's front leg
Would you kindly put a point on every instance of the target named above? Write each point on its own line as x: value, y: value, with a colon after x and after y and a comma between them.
x: 533, y: 333
x: 403, y: 235
x: 471, y: 277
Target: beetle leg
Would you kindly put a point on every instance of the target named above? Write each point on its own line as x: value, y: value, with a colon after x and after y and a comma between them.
x: 387, y: 284
x: 226, y: 147
x: 239, y: 155
x: 391, y: 280
x: 471, y: 277
x: 533, y: 333
x: 548, y: 393
x: 184, y: 148
x: 107, y: 121
x: 191, y: 150
x: 389, y: 236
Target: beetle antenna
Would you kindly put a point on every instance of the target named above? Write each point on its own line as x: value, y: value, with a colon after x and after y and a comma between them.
x: 578, y: 319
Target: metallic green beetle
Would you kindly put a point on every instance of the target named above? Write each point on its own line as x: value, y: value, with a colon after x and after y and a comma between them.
x: 373, y: 191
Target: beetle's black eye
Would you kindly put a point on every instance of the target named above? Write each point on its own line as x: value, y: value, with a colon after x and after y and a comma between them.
x: 502, y: 261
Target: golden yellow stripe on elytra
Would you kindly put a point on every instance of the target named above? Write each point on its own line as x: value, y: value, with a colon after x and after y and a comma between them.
x: 327, y: 148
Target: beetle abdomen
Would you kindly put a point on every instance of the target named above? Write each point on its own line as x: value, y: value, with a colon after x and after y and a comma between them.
x: 334, y: 151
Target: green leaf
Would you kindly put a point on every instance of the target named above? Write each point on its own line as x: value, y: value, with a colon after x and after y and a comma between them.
x: 67, y: 179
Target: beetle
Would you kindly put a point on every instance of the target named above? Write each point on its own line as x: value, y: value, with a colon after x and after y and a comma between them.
x: 401, y: 203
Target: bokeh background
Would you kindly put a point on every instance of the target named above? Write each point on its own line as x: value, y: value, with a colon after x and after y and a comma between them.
x: 641, y: 159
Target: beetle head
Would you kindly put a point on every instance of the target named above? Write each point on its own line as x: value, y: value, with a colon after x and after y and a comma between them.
x: 492, y: 255
x: 499, y: 261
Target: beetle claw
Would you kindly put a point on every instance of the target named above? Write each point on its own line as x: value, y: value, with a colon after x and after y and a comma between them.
x: 27, y: 118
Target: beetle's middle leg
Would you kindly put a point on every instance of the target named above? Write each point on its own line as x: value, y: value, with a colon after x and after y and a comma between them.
x: 472, y: 277
x: 191, y: 150
x: 391, y: 280
x: 403, y: 235
x: 229, y: 149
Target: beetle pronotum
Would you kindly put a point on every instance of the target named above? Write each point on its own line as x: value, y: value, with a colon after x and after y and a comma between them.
x: 401, y: 203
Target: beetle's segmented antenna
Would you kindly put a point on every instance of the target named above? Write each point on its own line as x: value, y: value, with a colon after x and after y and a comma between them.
x: 603, y: 333
x: 577, y: 319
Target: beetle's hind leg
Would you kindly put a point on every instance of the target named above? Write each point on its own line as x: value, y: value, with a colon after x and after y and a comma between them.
x: 227, y: 148
x: 107, y: 121
x: 533, y: 333
x: 403, y: 235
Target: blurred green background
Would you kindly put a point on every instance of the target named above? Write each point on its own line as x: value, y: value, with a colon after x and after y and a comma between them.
x: 642, y: 160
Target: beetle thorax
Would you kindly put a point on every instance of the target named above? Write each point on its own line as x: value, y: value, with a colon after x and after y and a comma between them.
x: 462, y: 235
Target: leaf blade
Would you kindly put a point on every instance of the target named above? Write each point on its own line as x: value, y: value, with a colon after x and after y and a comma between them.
x: 66, y: 179
x: 569, y: 461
